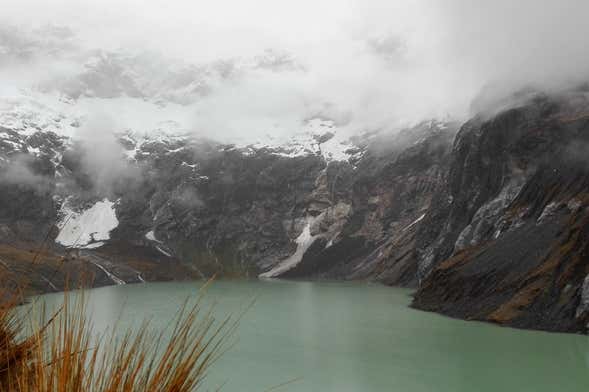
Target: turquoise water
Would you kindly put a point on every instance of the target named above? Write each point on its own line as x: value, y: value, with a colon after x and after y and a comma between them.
x: 353, y: 337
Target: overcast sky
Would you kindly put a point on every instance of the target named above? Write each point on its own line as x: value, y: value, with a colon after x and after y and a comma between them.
x: 370, y: 63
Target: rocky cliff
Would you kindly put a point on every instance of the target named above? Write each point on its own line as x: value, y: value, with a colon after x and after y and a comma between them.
x: 506, y: 239
x: 205, y: 208
x: 487, y: 219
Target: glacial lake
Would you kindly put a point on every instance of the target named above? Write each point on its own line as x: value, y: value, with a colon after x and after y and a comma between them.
x: 355, y: 337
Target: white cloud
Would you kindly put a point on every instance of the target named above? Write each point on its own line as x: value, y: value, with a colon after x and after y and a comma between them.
x: 374, y: 63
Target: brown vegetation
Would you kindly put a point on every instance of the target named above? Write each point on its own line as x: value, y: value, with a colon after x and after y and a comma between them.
x: 61, y: 353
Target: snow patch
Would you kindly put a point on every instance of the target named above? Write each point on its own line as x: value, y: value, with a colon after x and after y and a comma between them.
x: 163, y: 251
x: 549, y: 211
x: 416, y: 221
x: 36, y: 151
x: 193, y: 166
x: 150, y: 235
x: 111, y: 276
x: 87, y: 229
x: 30, y: 111
x: 93, y: 245
x: 131, y: 154
x: 175, y: 150
x: 304, y: 241
x: 584, y: 303
x: 317, y: 136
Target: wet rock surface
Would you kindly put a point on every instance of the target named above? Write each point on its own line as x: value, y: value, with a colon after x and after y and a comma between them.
x: 488, y: 219
x: 511, y: 247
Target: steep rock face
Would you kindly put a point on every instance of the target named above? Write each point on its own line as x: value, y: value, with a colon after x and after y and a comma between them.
x: 199, y: 206
x: 248, y: 212
x: 45, y: 192
x: 27, y: 164
x: 385, y: 196
x: 489, y: 222
x: 506, y: 239
x: 220, y: 211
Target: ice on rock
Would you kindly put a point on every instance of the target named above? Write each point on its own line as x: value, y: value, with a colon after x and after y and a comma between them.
x: 304, y: 242
x: 88, y: 228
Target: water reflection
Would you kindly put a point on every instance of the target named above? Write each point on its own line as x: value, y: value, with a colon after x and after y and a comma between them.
x: 354, y: 337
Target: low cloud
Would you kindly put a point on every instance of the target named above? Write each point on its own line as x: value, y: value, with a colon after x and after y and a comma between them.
x: 22, y: 171
x: 102, y: 156
x: 188, y: 197
x: 230, y: 69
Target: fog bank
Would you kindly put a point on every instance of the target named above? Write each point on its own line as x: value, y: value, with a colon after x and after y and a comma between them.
x: 231, y: 69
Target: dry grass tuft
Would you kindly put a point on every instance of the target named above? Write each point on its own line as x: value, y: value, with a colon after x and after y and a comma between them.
x: 64, y: 355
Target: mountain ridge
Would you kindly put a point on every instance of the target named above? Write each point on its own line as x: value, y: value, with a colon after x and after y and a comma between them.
x: 486, y: 219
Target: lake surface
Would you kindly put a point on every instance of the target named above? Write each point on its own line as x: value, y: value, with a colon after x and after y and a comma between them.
x: 353, y: 337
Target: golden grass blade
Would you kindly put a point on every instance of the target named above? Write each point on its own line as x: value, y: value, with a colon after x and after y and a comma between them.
x: 62, y: 354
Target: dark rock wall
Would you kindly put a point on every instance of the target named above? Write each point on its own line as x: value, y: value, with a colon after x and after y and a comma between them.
x: 488, y: 220
x: 511, y: 243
